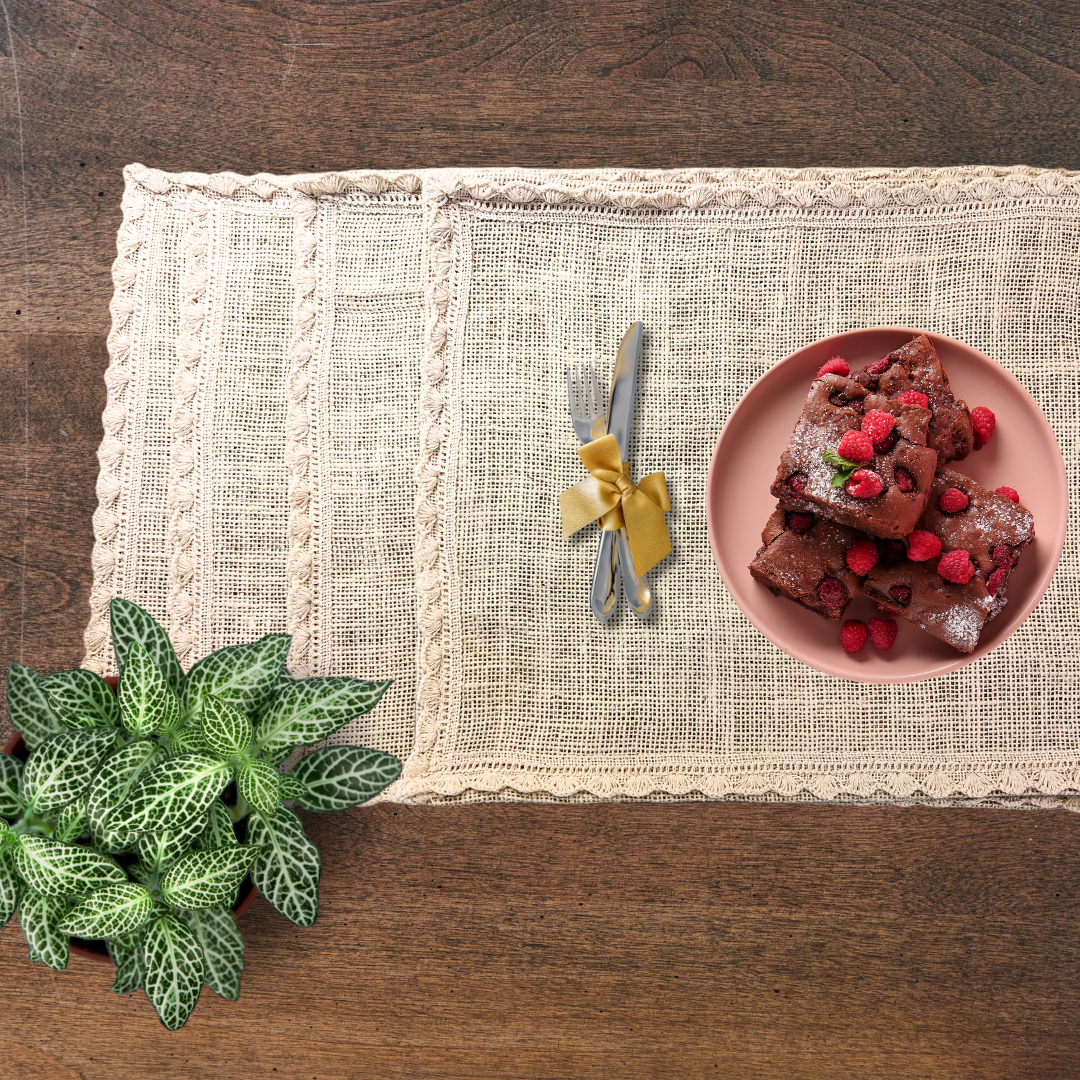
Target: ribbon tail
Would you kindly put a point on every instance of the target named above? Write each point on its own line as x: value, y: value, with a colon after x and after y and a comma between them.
x: 655, y: 486
x: 646, y: 531
x: 585, y: 502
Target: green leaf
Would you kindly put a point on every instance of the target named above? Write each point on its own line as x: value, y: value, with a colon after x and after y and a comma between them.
x: 147, y: 701
x: 129, y: 623
x: 28, y: 708
x: 40, y: 918
x: 337, y: 777
x: 160, y: 849
x: 115, y: 779
x: 144, y: 875
x: 188, y: 739
x: 126, y: 953
x: 257, y: 783
x: 222, y: 946
x: 11, y: 805
x: 288, y: 871
x: 242, y: 675
x: 175, y: 793
x: 61, y: 768
x: 840, y: 479
x: 831, y: 457
x: 289, y: 788
x: 71, y: 822
x: 225, y: 729
x: 207, y: 878
x: 54, y: 868
x: 308, y: 710
x: 9, y: 885
x: 82, y: 699
x: 110, y: 912
x: 174, y: 969
x: 219, y: 831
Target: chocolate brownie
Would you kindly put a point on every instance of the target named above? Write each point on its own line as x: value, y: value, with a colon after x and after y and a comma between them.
x: 802, y: 557
x: 915, y: 366
x: 991, y: 529
x: 903, y: 462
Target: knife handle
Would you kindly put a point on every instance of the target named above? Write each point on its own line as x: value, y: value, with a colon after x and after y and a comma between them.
x: 606, y: 582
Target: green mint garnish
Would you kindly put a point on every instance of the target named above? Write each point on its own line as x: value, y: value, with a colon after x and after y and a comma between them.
x: 845, y: 469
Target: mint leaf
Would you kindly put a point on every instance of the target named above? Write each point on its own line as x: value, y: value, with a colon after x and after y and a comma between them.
x: 831, y: 457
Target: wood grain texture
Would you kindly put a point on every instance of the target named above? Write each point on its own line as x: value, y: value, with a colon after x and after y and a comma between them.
x: 508, y: 941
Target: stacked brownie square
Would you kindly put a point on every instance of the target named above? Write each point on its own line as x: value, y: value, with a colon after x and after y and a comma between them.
x: 866, y: 504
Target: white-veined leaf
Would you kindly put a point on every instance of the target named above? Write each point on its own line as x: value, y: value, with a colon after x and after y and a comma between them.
x: 110, y: 912
x: 28, y: 707
x: 289, y: 788
x: 242, y: 675
x: 71, y: 822
x: 337, y: 777
x: 126, y: 953
x: 188, y: 739
x: 11, y: 805
x: 173, y: 962
x: 61, y: 768
x: 9, y: 884
x: 225, y: 729
x: 82, y: 699
x: 205, y: 879
x: 129, y: 623
x: 40, y: 917
x: 308, y: 710
x: 222, y: 946
x: 54, y: 868
x: 288, y: 871
x: 257, y: 783
x: 219, y: 831
x: 159, y: 850
x: 147, y: 701
x: 174, y: 794
x: 115, y: 779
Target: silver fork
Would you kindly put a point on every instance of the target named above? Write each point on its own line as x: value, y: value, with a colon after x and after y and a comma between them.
x: 588, y: 410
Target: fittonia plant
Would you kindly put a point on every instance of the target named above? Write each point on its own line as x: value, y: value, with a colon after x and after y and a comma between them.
x: 117, y: 828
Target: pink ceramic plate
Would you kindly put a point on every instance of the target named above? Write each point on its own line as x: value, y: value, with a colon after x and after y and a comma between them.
x: 1023, y: 454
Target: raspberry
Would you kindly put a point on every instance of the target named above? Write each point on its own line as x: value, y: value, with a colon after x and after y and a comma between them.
x: 953, y: 501
x: 853, y: 635
x: 842, y: 401
x: 913, y: 397
x: 836, y: 366
x: 894, y: 552
x: 886, y: 610
x: 862, y: 557
x: 923, y: 545
x: 855, y: 446
x: 1009, y: 493
x: 864, y: 484
x: 882, y: 634
x: 1002, y: 556
x: 832, y: 593
x: 879, y: 366
x: 956, y: 567
x: 904, y: 480
x: 982, y: 424
x: 878, y: 424
x: 886, y: 444
x: 996, y: 580
x: 800, y: 523
x: 901, y: 594
x: 797, y: 483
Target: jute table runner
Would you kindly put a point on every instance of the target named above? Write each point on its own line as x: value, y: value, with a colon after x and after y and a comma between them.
x: 337, y: 407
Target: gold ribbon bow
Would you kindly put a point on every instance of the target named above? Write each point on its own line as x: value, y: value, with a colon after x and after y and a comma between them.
x: 610, y: 495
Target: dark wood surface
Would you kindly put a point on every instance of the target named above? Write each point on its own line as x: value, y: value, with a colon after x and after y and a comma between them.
x: 507, y: 941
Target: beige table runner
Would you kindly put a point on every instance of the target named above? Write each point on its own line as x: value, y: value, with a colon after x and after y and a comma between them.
x: 460, y: 587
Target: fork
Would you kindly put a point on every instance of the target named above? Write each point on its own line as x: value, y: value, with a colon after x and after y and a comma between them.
x: 588, y: 411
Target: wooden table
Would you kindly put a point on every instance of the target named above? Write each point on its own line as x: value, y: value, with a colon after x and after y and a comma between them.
x: 612, y: 941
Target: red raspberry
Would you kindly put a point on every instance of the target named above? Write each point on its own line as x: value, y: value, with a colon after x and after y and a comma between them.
x: 832, y: 593
x: 800, y: 523
x: 904, y: 480
x: 886, y: 610
x: 842, y: 401
x: 982, y: 424
x: 894, y: 552
x: 996, y: 580
x: 836, y: 366
x: 879, y: 366
x: 855, y: 446
x: 1009, y: 493
x: 913, y: 397
x: 853, y: 635
x: 864, y: 484
x: 882, y: 634
x: 923, y: 545
x: 901, y: 594
x: 878, y: 424
x: 1002, y: 556
x: 797, y: 483
x: 953, y: 501
x: 862, y: 557
x: 956, y: 567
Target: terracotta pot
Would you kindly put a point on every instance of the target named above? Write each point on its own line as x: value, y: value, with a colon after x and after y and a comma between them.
x: 95, y: 950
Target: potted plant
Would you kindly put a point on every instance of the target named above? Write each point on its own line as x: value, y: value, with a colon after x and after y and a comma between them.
x: 137, y: 814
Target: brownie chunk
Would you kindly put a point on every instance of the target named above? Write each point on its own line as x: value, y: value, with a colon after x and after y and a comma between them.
x: 802, y: 557
x: 915, y: 366
x: 834, y: 406
x: 992, y: 530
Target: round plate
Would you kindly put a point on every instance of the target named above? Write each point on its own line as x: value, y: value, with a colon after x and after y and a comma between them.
x: 1023, y: 454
